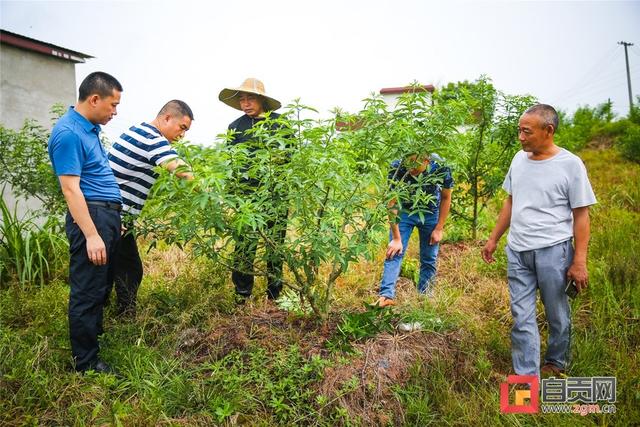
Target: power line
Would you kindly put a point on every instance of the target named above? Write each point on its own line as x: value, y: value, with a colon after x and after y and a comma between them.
x: 588, y: 77
x: 606, y: 81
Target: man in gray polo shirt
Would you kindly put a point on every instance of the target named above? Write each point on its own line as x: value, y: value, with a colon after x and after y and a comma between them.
x: 547, y: 208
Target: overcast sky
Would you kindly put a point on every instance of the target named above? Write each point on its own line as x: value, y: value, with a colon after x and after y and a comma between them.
x: 335, y: 53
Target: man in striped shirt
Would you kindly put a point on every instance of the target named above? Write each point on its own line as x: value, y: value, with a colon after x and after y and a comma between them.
x: 132, y: 158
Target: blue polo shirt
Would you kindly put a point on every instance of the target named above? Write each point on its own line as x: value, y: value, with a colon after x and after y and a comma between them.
x: 75, y: 149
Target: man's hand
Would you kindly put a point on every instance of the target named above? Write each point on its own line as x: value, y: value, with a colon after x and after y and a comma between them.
x: 578, y: 272
x: 488, y: 250
x: 394, y: 248
x: 96, y: 250
x: 436, y: 236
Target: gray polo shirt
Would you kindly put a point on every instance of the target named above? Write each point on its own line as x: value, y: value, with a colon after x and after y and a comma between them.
x: 544, y: 192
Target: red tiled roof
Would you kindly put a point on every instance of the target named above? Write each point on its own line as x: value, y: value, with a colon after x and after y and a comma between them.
x: 405, y: 89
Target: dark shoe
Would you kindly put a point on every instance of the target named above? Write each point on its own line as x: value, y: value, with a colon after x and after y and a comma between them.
x: 272, y: 296
x: 241, y: 299
x: 99, y: 367
x: 551, y: 370
x: 102, y: 368
x: 273, y: 290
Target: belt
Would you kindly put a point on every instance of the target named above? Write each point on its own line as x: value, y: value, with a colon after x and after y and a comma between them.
x: 110, y: 205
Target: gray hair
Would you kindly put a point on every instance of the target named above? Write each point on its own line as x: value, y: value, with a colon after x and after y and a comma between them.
x: 548, y: 114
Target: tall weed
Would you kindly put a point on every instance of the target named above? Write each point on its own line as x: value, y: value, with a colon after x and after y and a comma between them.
x: 28, y: 253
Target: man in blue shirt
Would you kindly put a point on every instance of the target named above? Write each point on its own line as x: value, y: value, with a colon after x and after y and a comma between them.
x: 93, y: 217
x: 425, y: 187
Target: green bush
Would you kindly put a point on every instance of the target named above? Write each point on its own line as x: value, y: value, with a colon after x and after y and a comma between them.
x: 25, y: 165
x: 585, y: 125
x: 332, y: 180
x: 629, y: 143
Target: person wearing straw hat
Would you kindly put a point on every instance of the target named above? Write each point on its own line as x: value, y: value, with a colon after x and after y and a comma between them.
x: 251, y: 98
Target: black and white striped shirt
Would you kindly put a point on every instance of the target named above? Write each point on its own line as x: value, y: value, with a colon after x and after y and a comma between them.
x: 132, y: 159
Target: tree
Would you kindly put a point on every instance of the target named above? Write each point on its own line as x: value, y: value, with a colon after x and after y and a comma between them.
x: 335, y: 184
x: 486, y: 143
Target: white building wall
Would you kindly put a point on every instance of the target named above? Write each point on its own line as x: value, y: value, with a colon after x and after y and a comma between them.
x: 30, y: 84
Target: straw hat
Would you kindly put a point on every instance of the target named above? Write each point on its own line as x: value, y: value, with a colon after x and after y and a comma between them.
x: 230, y: 95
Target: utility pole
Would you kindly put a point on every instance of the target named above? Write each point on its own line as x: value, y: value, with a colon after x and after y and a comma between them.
x: 626, y: 57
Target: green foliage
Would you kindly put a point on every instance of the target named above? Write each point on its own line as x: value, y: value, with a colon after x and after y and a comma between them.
x: 285, y: 377
x: 360, y: 326
x: 417, y: 399
x: 410, y: 269
x: 589, y: 125
x: 28, y: 253
x: 25, y: 165
x: 597, y: 125
x: 634, y: 112
x: 333, y: 184
x: 485, y: 145
x: 253, y: 385
x: 629, y: 143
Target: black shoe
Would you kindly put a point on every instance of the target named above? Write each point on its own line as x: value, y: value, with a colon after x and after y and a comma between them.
x: 241, y: 299
x: 100, y: 367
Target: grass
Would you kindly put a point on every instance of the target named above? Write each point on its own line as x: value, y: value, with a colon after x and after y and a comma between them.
x: 191, y: 357
x: 29, y: 254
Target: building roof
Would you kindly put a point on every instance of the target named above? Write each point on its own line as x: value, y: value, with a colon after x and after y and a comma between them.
x: 405, y: 89
x: 27, y: 43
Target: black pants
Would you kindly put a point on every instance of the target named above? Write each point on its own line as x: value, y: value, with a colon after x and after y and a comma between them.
x: 90, y: 284
x: 245, y: 253
x: 127, y: 272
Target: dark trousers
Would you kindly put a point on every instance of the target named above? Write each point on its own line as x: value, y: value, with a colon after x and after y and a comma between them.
x: 245, y: 253
x: 127, y: 273
x: 90, y: 284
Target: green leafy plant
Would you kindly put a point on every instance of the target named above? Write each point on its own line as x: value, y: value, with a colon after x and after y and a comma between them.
x: 333, y: 183
x: 629, y: 143
x: 28, y: 253
x: 485, y: 145
x: 25, y: 165
x: 410, y: 269
x: 359, y: 326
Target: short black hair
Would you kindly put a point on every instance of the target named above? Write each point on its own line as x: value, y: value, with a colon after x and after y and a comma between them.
x: 175, y: 107
x: 99, y: 83
x: 548, y: 113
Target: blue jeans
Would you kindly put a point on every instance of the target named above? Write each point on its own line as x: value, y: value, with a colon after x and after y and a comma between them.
x: 428, y: 254
x: 528, y: 271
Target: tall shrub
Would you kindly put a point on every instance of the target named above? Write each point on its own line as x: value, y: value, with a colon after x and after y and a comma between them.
x: 485, y: 145
x: 334, y: 182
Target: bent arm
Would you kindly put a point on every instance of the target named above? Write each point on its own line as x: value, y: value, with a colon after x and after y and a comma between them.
x: 395, y: 245
x: 174, y: 164
x: 445, y: 206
